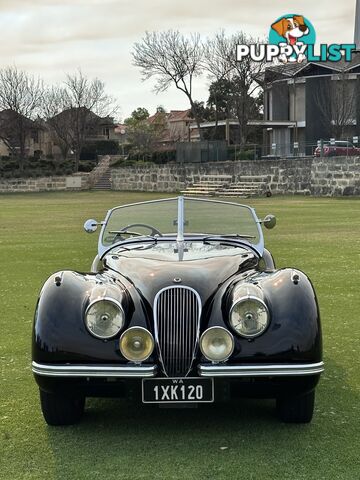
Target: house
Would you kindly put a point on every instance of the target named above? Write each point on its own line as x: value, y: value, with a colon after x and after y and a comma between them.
x: 13, y: 126
x: 304, y: 103
x: 173, y: 127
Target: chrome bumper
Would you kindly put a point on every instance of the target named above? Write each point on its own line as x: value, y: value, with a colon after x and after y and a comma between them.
x: 278, y: 370
x: 102, y: 371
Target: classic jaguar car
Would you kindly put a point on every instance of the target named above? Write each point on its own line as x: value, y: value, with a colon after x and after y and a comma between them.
x: 183, y: 304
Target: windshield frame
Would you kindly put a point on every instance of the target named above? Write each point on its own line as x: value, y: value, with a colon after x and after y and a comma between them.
x: 182, y: 236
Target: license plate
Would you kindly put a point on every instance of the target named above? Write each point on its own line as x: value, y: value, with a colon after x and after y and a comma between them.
x: 177, y: 390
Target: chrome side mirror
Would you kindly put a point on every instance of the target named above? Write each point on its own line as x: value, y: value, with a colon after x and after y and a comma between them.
x: 90, y: 226
x: 269, y: 221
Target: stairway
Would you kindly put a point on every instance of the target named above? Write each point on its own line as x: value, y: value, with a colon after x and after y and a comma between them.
x: 103, y: 182
x: 208, y: 185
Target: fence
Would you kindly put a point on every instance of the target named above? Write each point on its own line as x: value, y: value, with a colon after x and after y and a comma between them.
x: 203, y: 152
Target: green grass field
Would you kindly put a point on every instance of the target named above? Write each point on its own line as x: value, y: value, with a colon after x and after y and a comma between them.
x: 41, y: 233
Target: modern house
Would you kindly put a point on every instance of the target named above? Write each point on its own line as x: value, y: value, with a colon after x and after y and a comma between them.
x: 304, y: 103
x: 307, y: 102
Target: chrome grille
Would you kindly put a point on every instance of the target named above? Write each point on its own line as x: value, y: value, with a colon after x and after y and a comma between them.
x: 177, y: 313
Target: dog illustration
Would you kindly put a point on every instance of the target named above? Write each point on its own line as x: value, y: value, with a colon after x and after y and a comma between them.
x: 292, y: 29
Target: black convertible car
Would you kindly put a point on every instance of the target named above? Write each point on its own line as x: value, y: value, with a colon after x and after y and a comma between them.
x: 183, y: 305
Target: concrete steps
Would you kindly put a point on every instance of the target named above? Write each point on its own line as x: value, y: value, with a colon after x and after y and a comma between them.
x: 208, y: 185
x: 104, y: 181
x: 243, y: 189
x: 247, y: 186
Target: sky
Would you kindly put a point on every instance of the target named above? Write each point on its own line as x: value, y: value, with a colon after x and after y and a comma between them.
x: 50, y: 38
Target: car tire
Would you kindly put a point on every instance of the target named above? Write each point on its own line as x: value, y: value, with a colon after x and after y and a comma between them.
x: 59, y: 409
x: 297, y: 409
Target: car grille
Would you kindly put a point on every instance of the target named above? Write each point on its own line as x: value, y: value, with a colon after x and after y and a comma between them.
x: 177, y: 313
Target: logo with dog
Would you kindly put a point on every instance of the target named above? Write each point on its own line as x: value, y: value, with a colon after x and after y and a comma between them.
x: 292, y: 38
x: 297, y: 31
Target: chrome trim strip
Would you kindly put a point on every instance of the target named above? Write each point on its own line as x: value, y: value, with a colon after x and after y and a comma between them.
x: 103, y: 371
x: 278, y: 370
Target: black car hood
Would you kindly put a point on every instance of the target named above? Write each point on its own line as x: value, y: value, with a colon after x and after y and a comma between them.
x: 204, y: 275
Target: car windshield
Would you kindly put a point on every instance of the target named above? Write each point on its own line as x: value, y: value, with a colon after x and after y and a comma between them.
x: 203, y: 218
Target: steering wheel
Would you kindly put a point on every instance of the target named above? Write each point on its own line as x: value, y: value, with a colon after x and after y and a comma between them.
x: 126, y: 230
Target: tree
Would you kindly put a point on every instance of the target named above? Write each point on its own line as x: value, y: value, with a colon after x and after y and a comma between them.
x: 20, y: 99
x: 236, y: 79
x: 74, y: 110
x: 336, y: 99
x: 142, y: 133
x: 174, y: 60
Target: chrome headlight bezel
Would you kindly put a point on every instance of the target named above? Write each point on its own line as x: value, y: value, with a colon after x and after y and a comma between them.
x: 244, y: 299
x: 117, y: 305
x: 205, y: 354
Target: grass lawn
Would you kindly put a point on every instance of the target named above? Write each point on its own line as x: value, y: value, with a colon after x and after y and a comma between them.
x: 41, y: 233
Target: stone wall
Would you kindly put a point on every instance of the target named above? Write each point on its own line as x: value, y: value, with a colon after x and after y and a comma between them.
x: 334, y: 176
x: 316, y: 176
x: 77, y: 181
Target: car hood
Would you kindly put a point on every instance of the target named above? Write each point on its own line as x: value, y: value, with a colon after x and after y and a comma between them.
x: 205, y: 275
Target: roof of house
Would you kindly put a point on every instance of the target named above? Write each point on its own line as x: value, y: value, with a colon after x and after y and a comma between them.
x: 292, y: 69
x: 9, y: 116
x: 179, y: 115
x: 172, y: 116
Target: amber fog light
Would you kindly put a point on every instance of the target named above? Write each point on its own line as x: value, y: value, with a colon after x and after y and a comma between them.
x: 136, y: 344
x: 217, y: 344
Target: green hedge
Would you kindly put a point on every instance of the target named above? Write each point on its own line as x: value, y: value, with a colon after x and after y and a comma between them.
x: 41, y: 167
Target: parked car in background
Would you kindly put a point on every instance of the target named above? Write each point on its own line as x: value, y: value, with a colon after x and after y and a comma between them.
x: 339, y: 148
x: 183, y: 304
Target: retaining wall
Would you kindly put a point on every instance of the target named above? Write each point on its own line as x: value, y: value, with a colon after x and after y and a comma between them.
x: 334, y: 176
x: 42, y: 184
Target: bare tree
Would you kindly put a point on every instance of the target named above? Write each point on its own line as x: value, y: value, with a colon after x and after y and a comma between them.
x: 74, y: 110
x: 174, y: 60
x: 335, y: 98
x: 20, y: 100
x: 222, y: 65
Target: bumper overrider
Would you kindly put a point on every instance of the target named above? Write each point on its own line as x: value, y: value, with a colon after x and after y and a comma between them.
x: 204, y: 370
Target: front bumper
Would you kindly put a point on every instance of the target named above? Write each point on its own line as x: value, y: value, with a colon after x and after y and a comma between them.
x: 277, y: 370
x: 91, y: 371
x: 204, y: 370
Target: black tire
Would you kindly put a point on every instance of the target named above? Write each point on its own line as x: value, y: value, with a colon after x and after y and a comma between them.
x: 59, y: 409
x: 297, y: 409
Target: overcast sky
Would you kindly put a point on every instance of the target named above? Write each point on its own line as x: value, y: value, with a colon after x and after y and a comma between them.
x: 52, y: 37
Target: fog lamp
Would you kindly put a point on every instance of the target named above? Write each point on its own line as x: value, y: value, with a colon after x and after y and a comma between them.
x: 136, y: 344
x: 217, y: 344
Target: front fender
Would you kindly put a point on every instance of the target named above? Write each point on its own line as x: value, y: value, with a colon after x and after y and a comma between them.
x: 59, y: 332
x: 294, y: 332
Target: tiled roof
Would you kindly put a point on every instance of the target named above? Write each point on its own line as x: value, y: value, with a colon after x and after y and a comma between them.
x: 172, y: 116
x: 178, y: 115
x: 292, y: 69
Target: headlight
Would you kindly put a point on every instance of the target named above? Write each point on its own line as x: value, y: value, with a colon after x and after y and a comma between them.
x: 249, y: 317
x: 136, y: 344
x: 104, y: 318
x: 217, y: 344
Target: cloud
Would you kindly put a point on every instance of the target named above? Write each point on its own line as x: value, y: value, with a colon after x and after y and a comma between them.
x: 51, y: 37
